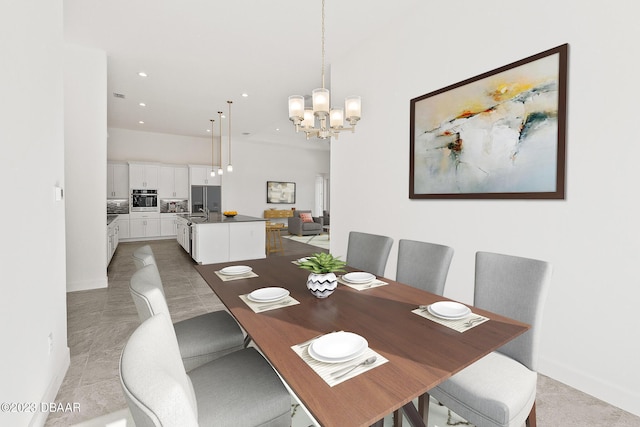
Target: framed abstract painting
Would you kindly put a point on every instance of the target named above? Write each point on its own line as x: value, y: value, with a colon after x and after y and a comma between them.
x: 499, y: 135
x: 281, y: 192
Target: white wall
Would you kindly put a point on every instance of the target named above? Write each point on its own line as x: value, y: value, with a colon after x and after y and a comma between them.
x: 33, y: 304
x: 254, y: 163
x: 85, y: 107
x: 592, y: 237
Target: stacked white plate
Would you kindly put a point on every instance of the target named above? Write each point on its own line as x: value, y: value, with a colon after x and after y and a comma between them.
x: 358, y: 277
x: 270, y: 294
x: 338, y: 347
x: 235, y: 270
x: 449, y: 310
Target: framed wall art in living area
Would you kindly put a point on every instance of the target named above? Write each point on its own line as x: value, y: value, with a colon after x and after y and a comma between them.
x: 281, y: 192
x: 499, y: 135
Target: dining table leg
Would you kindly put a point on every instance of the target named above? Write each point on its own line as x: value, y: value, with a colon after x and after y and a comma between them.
x: 412, y: 415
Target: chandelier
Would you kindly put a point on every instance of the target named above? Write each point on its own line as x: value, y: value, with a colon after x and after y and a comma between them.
x: 330, y: 120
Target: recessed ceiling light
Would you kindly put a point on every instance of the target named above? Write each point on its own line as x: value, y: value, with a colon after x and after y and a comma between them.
x: 142, y: 74
x: 244, y: 95
x: 278, y: 129
x: 208, y: 130
x: 141, y: 122
x: 142, y: 104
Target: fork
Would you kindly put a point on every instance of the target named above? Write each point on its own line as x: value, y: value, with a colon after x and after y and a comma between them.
x: 469, y: 323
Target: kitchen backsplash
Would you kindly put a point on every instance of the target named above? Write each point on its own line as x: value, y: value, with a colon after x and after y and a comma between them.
x: 117, y: 206
x: 173, y: 205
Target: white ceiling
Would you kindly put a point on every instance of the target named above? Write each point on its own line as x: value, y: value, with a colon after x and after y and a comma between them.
x: 200, y: 53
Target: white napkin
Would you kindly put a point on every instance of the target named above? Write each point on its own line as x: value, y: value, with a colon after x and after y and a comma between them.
x: 460, y: 325
x: 325, y: 370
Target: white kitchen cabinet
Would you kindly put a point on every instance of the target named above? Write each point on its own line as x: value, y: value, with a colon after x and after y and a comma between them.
x: 168, y: 224
x: 201, y: 175
x: 112, y: 239
x: 182, y: 233
x: 123, y: 226
x: 174, y: 182
x: 225, y: 241
x: 143, y: 176
x: 144, y: 225
x: 117, y: 181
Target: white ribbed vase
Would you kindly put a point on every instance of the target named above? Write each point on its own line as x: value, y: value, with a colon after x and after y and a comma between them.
x: 322, y: 285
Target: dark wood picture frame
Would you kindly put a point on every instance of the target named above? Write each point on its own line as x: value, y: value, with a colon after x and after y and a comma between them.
x: 281, y: 192
x: 499, y: 135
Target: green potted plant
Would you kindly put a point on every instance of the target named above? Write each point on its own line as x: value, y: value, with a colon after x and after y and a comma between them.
x: 322, y: 280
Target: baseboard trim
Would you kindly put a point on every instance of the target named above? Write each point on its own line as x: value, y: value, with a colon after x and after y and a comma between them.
x: 85, y: 285
x: 40, y: 417
x: 623, y: 398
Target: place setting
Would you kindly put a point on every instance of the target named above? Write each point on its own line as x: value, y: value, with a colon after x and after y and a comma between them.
x: 235, y: 272
x: 300, y: 260
x: 360, y: 280
x: 269, y: 298
x: 451, y: 314
x: 338, y: 356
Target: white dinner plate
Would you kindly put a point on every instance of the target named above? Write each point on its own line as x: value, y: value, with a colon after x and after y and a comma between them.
x: 359, y: 277
x: 268, y: 294
x: 303, y: 259
x: 338, y: 347
x: 235, y: 270
x: 449, y: 310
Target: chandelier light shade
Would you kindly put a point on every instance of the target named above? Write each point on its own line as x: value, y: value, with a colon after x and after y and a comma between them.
x: 330, y: 121
x: 213, y: 151
x: 229, y: 166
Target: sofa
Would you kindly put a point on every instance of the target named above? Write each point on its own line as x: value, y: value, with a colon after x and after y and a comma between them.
x: 302, y: 223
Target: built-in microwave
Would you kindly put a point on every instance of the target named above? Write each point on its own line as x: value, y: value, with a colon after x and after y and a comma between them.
x: 144, y: 201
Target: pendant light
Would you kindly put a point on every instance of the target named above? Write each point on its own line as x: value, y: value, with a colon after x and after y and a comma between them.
x: 213, y: 151
x: 229, y: 166
x: 220, y: 171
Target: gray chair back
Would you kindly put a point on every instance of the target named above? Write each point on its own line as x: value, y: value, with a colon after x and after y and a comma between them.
x: 156, y: 387
x: 423, y: 265
x: 514, y: 287
x: 143, y: 256
x: 147, y: 292
x: 368, y: 252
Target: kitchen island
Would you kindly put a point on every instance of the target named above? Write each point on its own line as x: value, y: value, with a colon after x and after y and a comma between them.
x: 220, y: 239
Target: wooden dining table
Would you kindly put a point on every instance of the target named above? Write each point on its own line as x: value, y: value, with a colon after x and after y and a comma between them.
x: 421, y: 353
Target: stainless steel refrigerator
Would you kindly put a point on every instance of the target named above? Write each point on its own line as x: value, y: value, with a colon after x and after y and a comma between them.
x: 205, y: 196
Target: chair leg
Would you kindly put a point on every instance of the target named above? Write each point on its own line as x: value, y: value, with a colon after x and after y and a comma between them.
x: 397, y: 418
x: 531, y: 419
x: 423, y: 408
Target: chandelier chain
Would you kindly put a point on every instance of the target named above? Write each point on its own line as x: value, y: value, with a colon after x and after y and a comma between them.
x: 322, y: 44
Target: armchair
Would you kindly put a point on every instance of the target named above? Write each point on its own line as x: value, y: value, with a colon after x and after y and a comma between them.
x: 298, y: 226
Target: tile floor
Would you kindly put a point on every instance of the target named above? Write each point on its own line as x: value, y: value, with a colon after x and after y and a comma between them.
x: 100, y: 321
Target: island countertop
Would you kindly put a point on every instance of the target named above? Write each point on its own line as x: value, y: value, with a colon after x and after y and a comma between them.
x: 218, y: 218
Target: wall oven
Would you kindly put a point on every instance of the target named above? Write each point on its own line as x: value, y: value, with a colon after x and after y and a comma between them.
x: 144, y: 201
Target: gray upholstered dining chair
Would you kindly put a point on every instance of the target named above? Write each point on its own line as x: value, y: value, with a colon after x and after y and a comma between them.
x: 423, y: 265
x: 500, y: 388
x: 368, y: 252
x: 239, y: 389
x: 143, y: 256
x: 201, y: 338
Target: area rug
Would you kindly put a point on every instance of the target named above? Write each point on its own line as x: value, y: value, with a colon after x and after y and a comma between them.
x: 320, y: 241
